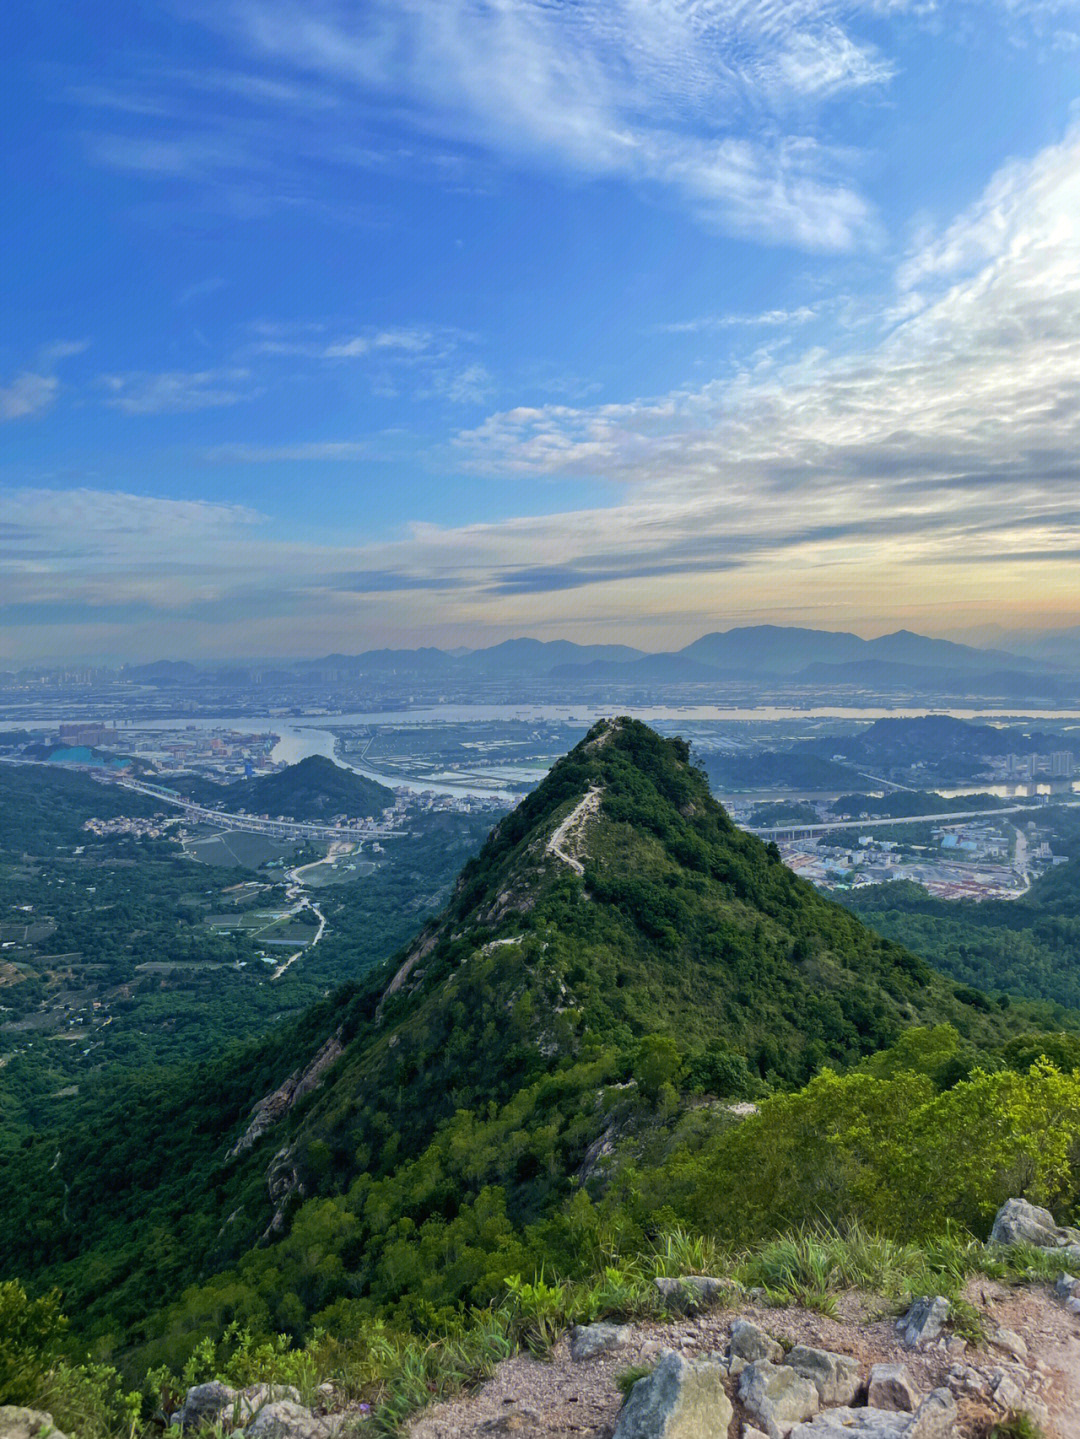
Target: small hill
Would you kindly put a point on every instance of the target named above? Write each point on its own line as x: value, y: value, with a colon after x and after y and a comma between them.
x: 314, y: 789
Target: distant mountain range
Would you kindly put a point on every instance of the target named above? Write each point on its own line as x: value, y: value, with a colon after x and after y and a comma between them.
x: 900, y: 662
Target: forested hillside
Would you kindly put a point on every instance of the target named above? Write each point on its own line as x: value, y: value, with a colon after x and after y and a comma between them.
x: 617, y: 948
x: 314, y: 789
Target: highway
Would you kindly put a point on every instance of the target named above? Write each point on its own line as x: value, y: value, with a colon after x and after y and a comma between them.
x: 804, y: 831
x: 252, y: 824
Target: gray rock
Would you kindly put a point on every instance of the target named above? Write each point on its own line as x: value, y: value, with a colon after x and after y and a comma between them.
x: 691, y: 1292
x: 282, y: 1419
x: 1018, y: 1222
x: 891, y: 1388
x: 835, y: 1376
x: 19, y: 1423
x: 206, y: 1404
x: 1073, y: 1304
x: 1012, y: 1344
x: 251, y: 1400
x: 1007, y: 1395
x: 749, y: 1432
x: 589, y: 1340
x: 935, y: 1418
x: 678, y: 1400
x: 749, y: 1342
x: 924, y: 1321
x: 1067, y: 1287
x: 776, y: 1397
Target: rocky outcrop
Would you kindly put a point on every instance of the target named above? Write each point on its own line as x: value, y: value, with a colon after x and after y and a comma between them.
x: 1018, y: 1222
x: 835, y: 1376
x: 273, y: 1107
x: 589, y: 1340
x: 924, y: 1321
x: 935, y: 1418
x: 891, y: 1388
x: 776, y: 1397
x: 678, y: 1400
x: 750, y: 1343
x: 284, y: 1419
x: 272, y: 1411
x: 19, y: 1423
x: 692, y: 1292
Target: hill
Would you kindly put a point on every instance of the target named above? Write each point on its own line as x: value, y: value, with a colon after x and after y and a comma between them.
x: 412, y: 1141
x: 314, y: 789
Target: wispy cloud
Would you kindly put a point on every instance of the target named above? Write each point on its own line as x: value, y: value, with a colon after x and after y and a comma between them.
x: 36, y: 388
x: 27, y: 395
x: 670, y: 94
x: 177, y: 391
x: 765, y: 319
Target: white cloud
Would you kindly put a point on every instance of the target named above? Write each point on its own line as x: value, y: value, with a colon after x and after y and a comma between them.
x: 177, y: 391
x: 28, y: 395
x: 955, y: 437
x: 695, y: 96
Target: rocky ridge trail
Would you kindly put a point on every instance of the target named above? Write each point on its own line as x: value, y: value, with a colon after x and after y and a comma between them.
x: 810, y: 1377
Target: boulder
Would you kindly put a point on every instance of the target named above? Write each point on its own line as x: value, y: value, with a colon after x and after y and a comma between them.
x: 1018, y: 1222
x: 206, y: 1404
x: 1008, y: 1395
x: 678, y: 1400
x: 776, y: 1397
x: 935, y: 1418
x: 891, y: 1388
x: 749, y: 1342
x: 835, y: 1376
x: 924, y: 1321
x: 589, y: 1340
x: 283, y: 1419
x: 1067, y: 1287
x: 691, y: 1292
x: 1012, y: 1344
x: 257, y: 1396
x: 19, y: 1423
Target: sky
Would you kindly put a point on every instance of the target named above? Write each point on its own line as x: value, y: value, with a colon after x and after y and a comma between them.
x: 329, y: 325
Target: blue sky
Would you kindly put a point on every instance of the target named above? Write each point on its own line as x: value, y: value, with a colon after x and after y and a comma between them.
x: 330, y: 325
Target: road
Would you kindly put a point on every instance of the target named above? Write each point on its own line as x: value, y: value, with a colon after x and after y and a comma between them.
x: 253, y: 824
x: 794, y: 831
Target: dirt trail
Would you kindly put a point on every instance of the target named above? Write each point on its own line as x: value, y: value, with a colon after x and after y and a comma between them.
x: 571, y: 829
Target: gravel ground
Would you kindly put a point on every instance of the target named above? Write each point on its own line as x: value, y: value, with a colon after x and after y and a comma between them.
x: 559, y: 1397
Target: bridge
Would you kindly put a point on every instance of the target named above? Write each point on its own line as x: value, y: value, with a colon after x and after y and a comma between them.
x: 254, y: 824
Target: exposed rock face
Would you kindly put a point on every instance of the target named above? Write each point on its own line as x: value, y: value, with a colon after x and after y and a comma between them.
x: 206, y: 1404
x: 215, y: 1403
x: 19, y: 1423
x: 589, y: 1340
x: 776, y: 1397
x: 275, y: 1106
x: 751, y: 1343
x: 835, y: 1376
x: 935, y: 1418
x: 678, y: 1400
x: 1018, y: 1222
x: 924, y: 1321
x: 891, y: 1388
x: 282, y: 1419
x: 691, y: 1292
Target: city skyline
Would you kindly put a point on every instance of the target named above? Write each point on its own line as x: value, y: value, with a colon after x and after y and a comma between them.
x: 331, y: 327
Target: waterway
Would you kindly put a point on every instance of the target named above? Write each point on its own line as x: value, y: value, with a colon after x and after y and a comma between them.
x: 300, y: 736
